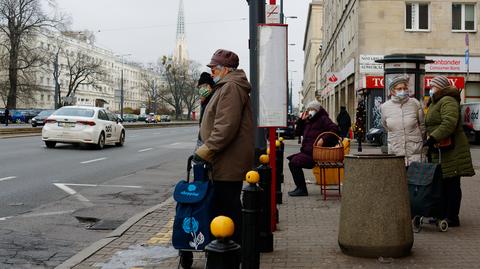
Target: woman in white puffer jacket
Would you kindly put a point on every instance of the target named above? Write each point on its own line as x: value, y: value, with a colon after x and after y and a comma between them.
x: 403, y: 119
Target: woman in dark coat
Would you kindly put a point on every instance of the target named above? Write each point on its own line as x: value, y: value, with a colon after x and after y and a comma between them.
x: 313, y: 121
x: 205, y: 91
x: 344, y: 122
x: 442, y: 122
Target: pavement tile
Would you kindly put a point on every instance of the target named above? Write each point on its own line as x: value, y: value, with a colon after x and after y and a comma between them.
x: 306, y: 235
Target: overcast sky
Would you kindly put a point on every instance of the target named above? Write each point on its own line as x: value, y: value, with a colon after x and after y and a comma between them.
x: 147, y: 28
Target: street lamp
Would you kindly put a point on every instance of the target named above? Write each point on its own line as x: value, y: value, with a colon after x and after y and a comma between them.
x: 289, y: 107
x: 121, y: 84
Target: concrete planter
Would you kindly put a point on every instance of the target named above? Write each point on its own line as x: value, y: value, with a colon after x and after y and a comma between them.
x: 375, y: 212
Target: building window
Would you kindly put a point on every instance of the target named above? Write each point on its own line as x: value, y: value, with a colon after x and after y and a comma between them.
x: 463, y: 17
x: 417, y: 17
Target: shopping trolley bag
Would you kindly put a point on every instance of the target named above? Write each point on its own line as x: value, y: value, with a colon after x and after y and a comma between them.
x: 191, y: 226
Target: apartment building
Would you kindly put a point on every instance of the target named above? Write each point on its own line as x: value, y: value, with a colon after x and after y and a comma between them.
x: 311, y: 47
x: 358, y: 32
x: 107, y: 91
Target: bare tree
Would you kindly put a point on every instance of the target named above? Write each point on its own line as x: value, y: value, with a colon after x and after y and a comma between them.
x: 83, y: 69
x: 190, y: 95
x: 151, y: 86
x: 174, y: 75
x: 20, y: 21
x: 29, y: 58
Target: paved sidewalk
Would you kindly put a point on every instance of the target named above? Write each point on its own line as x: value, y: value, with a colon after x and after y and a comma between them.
x: 306, y: 236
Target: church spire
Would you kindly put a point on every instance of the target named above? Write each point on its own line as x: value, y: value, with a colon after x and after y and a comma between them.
x: 180, y: 53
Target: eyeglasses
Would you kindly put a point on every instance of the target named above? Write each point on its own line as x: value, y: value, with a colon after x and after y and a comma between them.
x: 218, y: 68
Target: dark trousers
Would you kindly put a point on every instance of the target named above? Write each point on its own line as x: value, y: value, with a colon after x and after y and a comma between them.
x: 452, y: 197
x: 298, y: 176
x: 226, y: 200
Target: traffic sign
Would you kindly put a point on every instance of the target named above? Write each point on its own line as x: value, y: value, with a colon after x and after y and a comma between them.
x: 272, y: 14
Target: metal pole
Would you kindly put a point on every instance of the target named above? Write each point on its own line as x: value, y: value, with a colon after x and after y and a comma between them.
x: 121, y: 93
x: 281, y: 12
x: 290, y: 97
x: 154, y: 97
x: 56, y: 102
x: 256, y: 16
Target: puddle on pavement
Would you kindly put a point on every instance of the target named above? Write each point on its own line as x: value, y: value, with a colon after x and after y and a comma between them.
x: 139, y: 256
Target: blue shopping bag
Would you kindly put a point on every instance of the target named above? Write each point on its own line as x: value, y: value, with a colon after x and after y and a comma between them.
x: 191, y: 226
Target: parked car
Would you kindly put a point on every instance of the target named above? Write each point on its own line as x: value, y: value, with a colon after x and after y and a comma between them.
x: 83, y: 125
x: 130, y: 117
x: 2, y: 115
x: 39, y: 120
x: 376, y: 136
x: 151, y: 118
x: 141, y: 117
x: 22, y: 115
x: 164, y: 118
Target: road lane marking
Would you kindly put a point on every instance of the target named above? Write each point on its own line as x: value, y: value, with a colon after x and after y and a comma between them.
x: 94, y: 160
x: 174, y: 144
x: 143, y: 150
x: 72, y: 192
x: 7, y: 178
x: 31, y: 215
x: 96, y: 185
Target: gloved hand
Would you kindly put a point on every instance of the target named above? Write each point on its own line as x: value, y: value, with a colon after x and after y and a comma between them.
x: 198, y: 159
x: 430, y: 142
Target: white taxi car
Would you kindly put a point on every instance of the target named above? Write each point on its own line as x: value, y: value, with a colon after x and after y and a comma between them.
x: 83, y: 125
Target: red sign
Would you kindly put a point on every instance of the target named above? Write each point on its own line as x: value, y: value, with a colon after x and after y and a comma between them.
x: 459, y: 82
x: 333, y: 78
x: 374, y: 82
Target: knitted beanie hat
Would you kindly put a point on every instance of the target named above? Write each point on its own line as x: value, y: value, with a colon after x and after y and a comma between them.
x: 205, y: 78
x: 440, y: 82
x: 398, y: 80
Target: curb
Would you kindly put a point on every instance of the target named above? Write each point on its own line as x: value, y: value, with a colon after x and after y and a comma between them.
x: 25, y: 132
x: 93, y: 248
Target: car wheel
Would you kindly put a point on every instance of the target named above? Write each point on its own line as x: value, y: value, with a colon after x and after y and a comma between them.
x: 101, y: 141
x: 50, y: 144
x: 121, y: 141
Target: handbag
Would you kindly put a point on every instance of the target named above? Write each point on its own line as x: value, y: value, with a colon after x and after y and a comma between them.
x: 328, y: 154
x: 446, y: 143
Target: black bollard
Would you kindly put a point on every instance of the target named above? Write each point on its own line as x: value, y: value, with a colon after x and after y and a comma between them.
x: 279, y: 173
x: 266, y: 236
x: 222, y: 253
x: 250, y: 222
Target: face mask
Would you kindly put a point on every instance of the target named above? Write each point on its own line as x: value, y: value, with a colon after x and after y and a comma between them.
x: 431, y: 93
x: 203, y: 91
x: 402, y: 95
x: 312, y: 113
x: 216, y: 79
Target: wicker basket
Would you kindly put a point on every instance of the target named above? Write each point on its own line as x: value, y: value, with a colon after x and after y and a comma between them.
x: 328, y: 154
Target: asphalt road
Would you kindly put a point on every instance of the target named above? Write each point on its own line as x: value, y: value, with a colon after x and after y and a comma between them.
x: 48, y: 197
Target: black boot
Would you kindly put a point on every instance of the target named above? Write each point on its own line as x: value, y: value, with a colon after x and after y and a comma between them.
x: 299, y: 192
